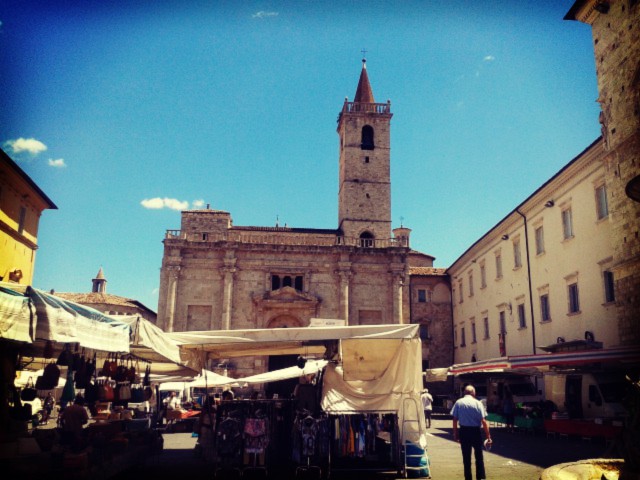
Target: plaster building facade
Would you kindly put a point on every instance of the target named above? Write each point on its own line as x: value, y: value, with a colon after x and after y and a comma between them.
x: 21, y: 205
x: 112, y: 305
x: 615, y: 26
x: 216, y: 275
x: 577, y: 277
x: 544, y: 274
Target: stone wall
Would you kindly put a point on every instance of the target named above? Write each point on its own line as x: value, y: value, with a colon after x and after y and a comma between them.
x: 616, y: 37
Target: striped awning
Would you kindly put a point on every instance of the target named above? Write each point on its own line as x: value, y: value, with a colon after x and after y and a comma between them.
x: 570, y: 359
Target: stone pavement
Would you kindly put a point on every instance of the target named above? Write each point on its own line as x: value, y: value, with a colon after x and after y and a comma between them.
x: 514, y: 456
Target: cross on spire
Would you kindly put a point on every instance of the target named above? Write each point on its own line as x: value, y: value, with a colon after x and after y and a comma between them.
x: 364, y: 55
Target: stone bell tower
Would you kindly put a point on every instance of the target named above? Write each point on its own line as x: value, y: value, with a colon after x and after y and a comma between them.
x: 365, y: 181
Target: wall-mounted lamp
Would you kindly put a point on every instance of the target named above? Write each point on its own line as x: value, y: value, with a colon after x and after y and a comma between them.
x: 550, y: 204
x: 505, y: 237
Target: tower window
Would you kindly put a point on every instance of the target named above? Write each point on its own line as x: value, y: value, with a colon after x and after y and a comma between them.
x: 366, y: 159
x: 367, y: 138
x: 366, y: 239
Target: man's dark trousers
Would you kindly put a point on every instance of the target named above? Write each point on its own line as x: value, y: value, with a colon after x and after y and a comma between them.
x: 471, y: 437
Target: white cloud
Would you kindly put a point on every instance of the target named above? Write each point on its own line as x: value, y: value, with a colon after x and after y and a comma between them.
x: 198, y: 203
x: 489, y: 58
x: 31, y: 145
x: 263, y: 14
x: 57, y: 163
x: 158, y: 203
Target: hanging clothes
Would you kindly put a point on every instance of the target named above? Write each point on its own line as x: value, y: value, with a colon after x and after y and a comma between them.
x: 256, y: 435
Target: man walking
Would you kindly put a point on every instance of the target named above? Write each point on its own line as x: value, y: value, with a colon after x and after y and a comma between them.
x: 469, y: 413
x: 427, y: 405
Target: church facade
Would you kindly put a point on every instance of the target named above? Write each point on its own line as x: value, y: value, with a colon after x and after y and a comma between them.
x: 218, y: 276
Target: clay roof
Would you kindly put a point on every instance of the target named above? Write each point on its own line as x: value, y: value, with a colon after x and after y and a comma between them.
x: 94, y: 298
x: 364, y: 94
x: 427, y: 271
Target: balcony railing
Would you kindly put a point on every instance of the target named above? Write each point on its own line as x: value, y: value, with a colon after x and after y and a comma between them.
x: 358, y: 107
x: 281, y: 238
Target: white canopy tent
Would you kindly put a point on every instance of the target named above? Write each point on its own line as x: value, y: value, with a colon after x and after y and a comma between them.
x: 197, y: 346
x: 151, y: 344
x: 207, y: 379
x: 312, y: 366
x: 378, y: 367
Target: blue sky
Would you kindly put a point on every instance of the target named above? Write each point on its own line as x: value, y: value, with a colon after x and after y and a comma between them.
x: 118, y: 108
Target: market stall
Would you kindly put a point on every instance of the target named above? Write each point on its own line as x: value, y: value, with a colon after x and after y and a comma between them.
x: 361, y: 381
x: 74, y: 354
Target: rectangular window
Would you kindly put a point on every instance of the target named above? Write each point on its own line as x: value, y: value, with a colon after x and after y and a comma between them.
x: 424, y: 331
x: 545, y: 313
x: 21, y: 219
x: 279, y: 281
x: 473, y: 332
x: 503, y: 323
x: 485, y: 320
x: 522, y: 319
x: 483, y: 276
x: 517, y: 259
x: 609, y: 295
x: 422, y: 296
x: 462, y: 339
x: 567, y: 224
x: 470, y: 284
x: 574, y: 300
x: 498, y: 265
x: 461, y: 299
x: 455, y: 337
x: 539, y: 240
x: 602, y: 207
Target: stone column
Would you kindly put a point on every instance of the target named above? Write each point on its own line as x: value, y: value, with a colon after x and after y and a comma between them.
x: 398, y: 284
x: 345, y: 274
x: 227, y: 297
x: 345, y: 277
x: 173, y: 273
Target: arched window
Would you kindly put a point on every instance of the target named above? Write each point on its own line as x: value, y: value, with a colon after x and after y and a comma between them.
x: 366, y: 239
x: 367, y: 138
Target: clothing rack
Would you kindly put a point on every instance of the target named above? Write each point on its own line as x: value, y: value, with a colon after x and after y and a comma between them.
x: 244, y: 436
x: 364, y: 441
x: 310, y: 434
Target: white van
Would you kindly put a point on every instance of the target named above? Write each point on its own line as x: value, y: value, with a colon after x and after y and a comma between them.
x: 586, y: 395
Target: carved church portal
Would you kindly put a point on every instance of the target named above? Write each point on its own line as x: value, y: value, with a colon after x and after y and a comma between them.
x: 284, y: 321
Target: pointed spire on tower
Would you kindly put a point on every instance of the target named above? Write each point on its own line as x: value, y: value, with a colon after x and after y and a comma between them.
x: 99, y: 283
x: 364, y: 94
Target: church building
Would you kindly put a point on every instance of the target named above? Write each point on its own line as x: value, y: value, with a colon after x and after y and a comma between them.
x: 218, y: 276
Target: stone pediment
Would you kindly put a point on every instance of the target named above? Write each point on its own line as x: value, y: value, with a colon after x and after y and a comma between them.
x: 286, y: 295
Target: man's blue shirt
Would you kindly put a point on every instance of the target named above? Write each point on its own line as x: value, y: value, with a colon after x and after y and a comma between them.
x: 468, y: 411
